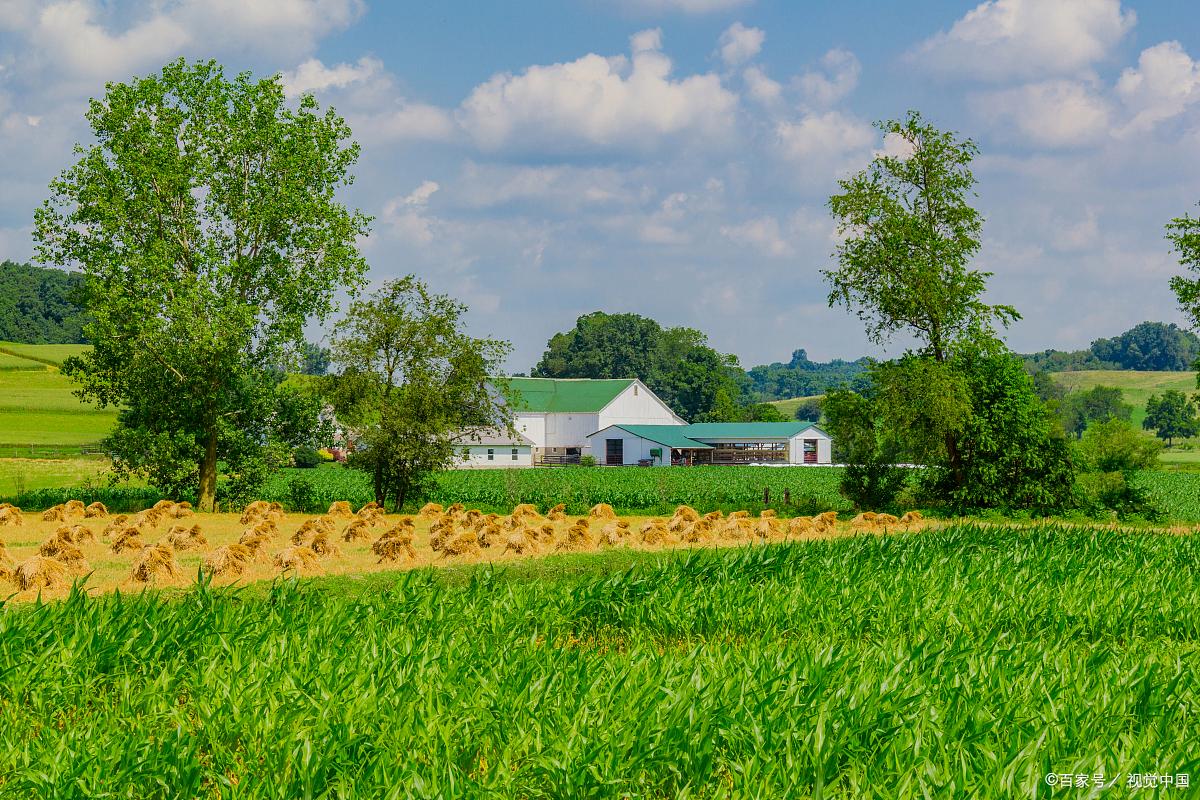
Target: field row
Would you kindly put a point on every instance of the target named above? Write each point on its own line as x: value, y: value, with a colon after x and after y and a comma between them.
x: 968, y: 662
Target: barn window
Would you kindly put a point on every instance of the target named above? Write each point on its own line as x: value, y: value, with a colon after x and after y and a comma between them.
x: 635, y: 390
x: 491, y: 454
x: 514, y: 454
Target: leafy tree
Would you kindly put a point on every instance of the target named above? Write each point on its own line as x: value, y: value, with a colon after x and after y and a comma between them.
x: 1110, y: 453
x: 1150, y: 346
x: 801, y: 377
x: 871, y: 479
x: 1100, y: 403
x: 1184, y: 235
x: 910, y: 233
x: 676, y: 363
x: 809, y: 410
x: 1171, y: 416
x: 314, y: 359
x: 38, y: 305
x: 206, y: 221
x: 412, y: 386
x: 1048, y: 390
x: 1014, y: 454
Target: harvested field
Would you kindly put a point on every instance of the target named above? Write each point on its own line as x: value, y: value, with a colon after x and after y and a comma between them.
x: 464, y: 538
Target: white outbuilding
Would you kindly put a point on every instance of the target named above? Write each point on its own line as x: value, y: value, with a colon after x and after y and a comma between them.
x: 490, y: 448
x: 771, y: 443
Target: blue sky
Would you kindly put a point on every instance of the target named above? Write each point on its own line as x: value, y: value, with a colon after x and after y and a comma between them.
x: 540, y: 160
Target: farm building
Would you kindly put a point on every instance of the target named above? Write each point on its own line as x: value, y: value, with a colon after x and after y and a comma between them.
x: 557, y: 414
x: 494, y: 447
x: 712, y: 443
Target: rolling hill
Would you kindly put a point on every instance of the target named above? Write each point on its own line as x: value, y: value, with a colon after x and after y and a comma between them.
x: 37, y: 407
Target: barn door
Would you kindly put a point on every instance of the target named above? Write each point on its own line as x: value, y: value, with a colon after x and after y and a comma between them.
x: 614, y: 452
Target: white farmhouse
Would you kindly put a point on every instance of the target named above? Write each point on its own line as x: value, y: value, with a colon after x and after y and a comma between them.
x: 557, y: 414
x: 485, y: 448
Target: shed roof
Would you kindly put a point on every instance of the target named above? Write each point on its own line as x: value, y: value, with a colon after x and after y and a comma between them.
x: 666, y: 435
x: 746, y: 430
x: 479, y: 436
x: 566, y: 394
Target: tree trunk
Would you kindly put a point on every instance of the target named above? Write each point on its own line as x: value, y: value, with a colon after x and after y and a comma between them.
x: 955, y: 458
x: 378, y: 483
x: 207, y: 501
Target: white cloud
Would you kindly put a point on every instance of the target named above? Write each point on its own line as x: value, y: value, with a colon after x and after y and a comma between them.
x: 685, y: 6
x: 819, y: 137
x: 406, y: 215
x: 84, y: 48
x: 273, y: 26
x: 314, y: 76
x: 1027, y: 38
x: 761, y: 88
x: 762, y: 233
x: 739, y: 44
x: 839, y: 78
x: 1047, y: 114
x: 407, y: 122
x: 598, y: 103
x: 1164, y: 83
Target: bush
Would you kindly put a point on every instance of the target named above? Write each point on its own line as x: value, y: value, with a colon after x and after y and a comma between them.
x: 587, y: 461
x: 302, y: 495
x: 306, y: 457
x: 873, y: 485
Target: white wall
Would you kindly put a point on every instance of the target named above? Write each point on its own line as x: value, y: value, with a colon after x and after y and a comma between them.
x: 569, y: 429
x: 635, y: 447
x: 637, y: 405
x: 824, y: 447
x: 502, y: 456
x: 532, y: 425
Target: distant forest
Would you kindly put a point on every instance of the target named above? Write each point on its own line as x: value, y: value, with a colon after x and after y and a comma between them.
x: 1150, y: 346
x: 36, y: 305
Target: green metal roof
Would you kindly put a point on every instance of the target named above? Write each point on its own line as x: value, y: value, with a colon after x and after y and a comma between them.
x: 745, y: 430
x: 666, y: 435
x: 582, y: 395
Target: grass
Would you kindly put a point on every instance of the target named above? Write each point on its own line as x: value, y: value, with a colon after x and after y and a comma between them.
x: 788, y: 407
x: 37, y: 407
x: 52, y: 473
x: 967, y: 662
x: 52, y: 354
x: 1136, y: 387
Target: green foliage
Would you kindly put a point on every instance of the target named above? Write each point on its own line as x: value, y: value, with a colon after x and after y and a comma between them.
x: 809, y: 410
x: 1150, y: 346
x: 677, y: 364
x: 1013, y: 454
x: 835, y: 669
x: 587, y: 461
x: 801, y: 377
x: 302, y: 495
x: 871, y: 479
x: 412, y: 380
x: 206, y: 220
x: 1171, y: 415
x: 1184, y: 235
x: 38, y: 305
x: 1111, y: 453
x: 306, y: 458
x: 1078, y: 410
x: 314, y: 359
x: 910, y: 233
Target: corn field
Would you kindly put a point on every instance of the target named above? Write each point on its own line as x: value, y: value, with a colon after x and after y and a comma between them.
x: 970, y: 662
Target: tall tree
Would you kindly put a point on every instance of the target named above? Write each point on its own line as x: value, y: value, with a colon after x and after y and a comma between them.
x: 1184, y: 235
x: 206, y: 221
x: 1171, y: 416
x: 904, y: 266
x: 1098, y: 404
x: 412, y: 386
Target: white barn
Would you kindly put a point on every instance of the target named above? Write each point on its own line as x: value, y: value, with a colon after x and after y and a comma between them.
x: 557, y: 414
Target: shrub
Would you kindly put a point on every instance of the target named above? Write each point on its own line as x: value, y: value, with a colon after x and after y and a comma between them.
x: 306, y: 457
x: 587, y: 461
x: 302, y: 495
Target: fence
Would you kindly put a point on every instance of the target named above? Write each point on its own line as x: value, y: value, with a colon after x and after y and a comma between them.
x: 49, y: 451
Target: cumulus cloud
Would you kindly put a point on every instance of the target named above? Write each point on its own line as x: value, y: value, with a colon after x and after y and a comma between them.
x: 1049, y: 114
x: 1001, y: 39
x: 314, y: 76
x: 275, y: 26
x: 763, y: 234
x: 83, y: 47
x: 739, y: 44
x: 820, y: 137
x: 838, y: 78
x: 761, y: 88
x: 406, y: 215
x: 598, y: 103
x: 1164, y: 83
